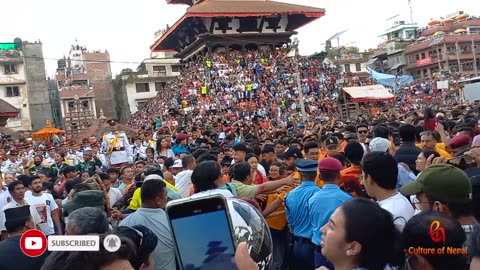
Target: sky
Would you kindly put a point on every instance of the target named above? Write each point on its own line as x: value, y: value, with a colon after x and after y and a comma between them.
x: 125, y: 28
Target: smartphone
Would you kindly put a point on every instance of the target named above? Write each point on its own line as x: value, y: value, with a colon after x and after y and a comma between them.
x: 202, y: 230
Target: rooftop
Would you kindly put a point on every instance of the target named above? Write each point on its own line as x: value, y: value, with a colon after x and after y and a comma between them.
x: 240, y: 8
x: 69, y: 94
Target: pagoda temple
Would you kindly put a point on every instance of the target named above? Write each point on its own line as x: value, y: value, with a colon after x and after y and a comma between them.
x: 212, y: 25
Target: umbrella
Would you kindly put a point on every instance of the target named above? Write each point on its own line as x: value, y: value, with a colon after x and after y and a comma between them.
x: 446, y: 21
x: 421, y: 38
x: 438, y: 33
x: 460, y: 31
x: 462, y: 16
x: 47, y: 133
x: 433, y: 22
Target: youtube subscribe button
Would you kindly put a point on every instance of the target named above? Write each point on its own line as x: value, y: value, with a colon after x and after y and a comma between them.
x: 33, y: 243
x: 73, y: 243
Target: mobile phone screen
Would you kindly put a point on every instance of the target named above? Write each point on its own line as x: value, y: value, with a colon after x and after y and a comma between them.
x: 202, y: 234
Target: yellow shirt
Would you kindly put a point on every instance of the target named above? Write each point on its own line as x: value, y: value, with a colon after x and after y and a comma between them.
x: 136, y: 201
x: 318, y: 181
x: 440, y: 148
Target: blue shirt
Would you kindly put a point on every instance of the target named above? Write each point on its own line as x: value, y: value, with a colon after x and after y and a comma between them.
x: 322, y: 205
x: 296, y: 203
x: 180, y: 149
x: 404, y: 177
x: 156, y: 220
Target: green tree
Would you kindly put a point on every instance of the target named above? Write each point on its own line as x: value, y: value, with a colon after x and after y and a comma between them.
x: 120, y: 94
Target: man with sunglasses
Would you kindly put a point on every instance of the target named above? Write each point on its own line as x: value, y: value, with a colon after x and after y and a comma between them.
x: 362, y: 135
x: 115, y: 144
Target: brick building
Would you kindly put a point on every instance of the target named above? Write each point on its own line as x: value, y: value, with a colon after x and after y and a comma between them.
x: 450, y: 45
x: 85, y: 87
x: 23, y: 84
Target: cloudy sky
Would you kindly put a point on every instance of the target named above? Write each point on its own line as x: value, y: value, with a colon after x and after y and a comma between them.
x: 125, y: 28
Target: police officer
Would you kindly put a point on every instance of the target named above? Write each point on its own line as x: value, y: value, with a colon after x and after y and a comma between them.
x: 298, y: 214
x: 115, y: 144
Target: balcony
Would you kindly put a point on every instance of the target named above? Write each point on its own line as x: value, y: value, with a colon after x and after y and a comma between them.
x: 11, y: 56
x: 394, y: 47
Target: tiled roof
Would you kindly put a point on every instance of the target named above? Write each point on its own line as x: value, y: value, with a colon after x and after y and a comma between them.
x: 250, y: 6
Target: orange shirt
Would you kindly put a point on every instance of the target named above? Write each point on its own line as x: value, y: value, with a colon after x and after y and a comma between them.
x: 350, y: 180
x: 278, y: 222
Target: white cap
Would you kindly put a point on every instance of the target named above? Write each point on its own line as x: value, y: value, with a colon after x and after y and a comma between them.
x: 177, y: 164
x: 153, y: 177
x: 379, y: 144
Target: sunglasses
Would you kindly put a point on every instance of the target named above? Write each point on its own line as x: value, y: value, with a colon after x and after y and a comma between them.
x: 362, y: 131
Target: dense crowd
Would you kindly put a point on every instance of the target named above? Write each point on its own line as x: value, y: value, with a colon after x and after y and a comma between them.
x: 370, y: 192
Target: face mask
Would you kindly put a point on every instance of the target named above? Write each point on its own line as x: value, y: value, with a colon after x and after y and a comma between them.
x: 37, y: 163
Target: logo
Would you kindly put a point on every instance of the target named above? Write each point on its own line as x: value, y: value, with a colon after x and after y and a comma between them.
x: 33, y: 243
x: 438, y: 235
x: 112, y: 243
x: 437, y: 232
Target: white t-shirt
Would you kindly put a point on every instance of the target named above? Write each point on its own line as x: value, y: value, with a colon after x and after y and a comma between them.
x: 223, y: 192
x: 33, y: 212
x: 115, y: 194
x: 44, y: 204
x: 400, y: 208
x: 5, y: 198
x: 183, y: 182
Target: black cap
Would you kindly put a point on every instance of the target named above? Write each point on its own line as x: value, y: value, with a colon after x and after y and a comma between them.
x: 112, y: 122
x: 331, y: 141
x: 15, y: 216
x: 293, y: 152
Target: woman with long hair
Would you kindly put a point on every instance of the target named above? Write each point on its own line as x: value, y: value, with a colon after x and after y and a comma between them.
x: 163, y: 147
x: 361, y: 235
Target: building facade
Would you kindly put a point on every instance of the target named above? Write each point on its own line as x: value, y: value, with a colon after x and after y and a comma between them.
x: 85, y: 87
x: 150, y: 78
x: 78, y: 110
x: 451, y: 45
x: 23, y: 84
x: 399, y: 36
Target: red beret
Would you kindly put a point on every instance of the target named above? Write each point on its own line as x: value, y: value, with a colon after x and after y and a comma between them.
x: 330, y: 164
x: 182, y: 136
x: 459, y: 141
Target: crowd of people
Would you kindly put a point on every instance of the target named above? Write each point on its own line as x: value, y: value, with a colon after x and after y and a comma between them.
x: 370, y: 192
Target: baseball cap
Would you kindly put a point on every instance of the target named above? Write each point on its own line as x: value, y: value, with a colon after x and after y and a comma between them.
x: 379, y: 144
x: 444, y: 182
x: 293, y: 152
x: 177, y: 164
x: 331, y: 141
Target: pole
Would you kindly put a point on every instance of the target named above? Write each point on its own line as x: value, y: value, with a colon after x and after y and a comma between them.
x: 438, y: 60
x: 457, y: 49
x: 474, y: 51
x: 299, y: 85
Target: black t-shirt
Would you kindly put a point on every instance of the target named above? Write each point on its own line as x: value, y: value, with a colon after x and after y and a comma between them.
x: 12, y: 257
